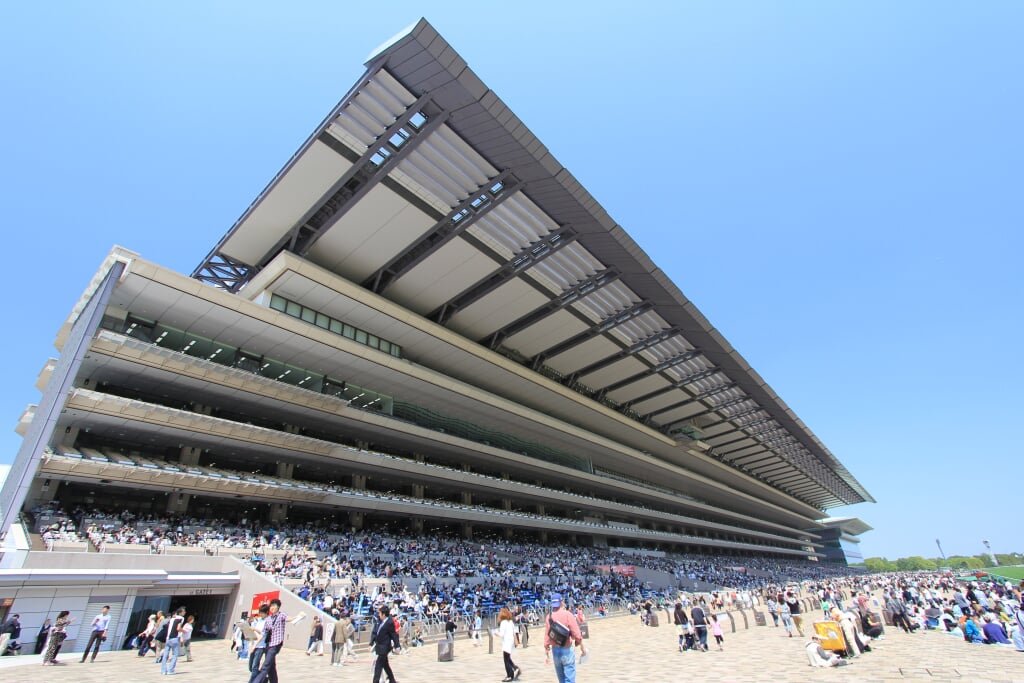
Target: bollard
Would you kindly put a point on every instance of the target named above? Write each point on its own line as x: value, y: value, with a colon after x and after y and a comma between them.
x: 445, y: 650
x: 585, y: 630
x: 759, y: 618
x: 490, y: 642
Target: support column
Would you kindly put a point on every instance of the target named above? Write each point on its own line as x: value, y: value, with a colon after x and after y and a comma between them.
x: 417, y: 525
x: 189, y: 455
x: 540, y: 509
x: 356, y: 519
x: 177, y: 502
x: 202, y: 409
x: 467, y: 531
x: 506, y: 503
x: 286, y: 470
x: 292, y: 429
x: 506, y: 532
x: 278, y: 512
x: 466, y: 497
x: 359, y: 481
x: 418, y: 490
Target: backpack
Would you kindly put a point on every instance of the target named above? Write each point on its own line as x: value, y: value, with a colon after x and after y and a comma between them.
x: 558, y: 632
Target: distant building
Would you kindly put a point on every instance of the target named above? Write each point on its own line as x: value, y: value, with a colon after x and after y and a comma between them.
x: 840, y: 539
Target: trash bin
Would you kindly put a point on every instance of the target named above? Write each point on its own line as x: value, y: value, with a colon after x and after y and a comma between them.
x: 445, y: 650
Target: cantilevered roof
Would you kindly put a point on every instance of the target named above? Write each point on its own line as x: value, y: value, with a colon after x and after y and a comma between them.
x: 425, y: 188
x: 852, y: 526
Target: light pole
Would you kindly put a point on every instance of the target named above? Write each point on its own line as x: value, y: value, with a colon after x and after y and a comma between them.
x: 995, y: 562
x: 940, y: 550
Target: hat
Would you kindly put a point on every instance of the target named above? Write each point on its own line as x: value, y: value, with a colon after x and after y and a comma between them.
x: 556, y: 599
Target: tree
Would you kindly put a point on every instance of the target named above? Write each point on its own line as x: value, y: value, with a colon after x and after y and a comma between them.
x: 876, y: 565
x: 915, y: 563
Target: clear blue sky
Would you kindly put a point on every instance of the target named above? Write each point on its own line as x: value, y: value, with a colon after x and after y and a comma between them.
x: 837, y: 186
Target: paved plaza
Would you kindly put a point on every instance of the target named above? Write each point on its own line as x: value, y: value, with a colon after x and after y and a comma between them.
x: 622, y: 651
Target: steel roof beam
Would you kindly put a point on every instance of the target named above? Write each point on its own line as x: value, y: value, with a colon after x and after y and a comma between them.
x: 224, y: 272
x: 527, y: 257
x: 373, y: 165
x: 467, y: 212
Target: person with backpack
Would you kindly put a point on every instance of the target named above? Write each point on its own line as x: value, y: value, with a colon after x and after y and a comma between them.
x: 561, y: 632
x: 170, y: 636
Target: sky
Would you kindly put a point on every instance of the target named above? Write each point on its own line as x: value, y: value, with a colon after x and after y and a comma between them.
x: 836, y: 186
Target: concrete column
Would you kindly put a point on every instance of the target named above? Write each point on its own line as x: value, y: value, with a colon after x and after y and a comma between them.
x: 417, y: 525
x: 418, y: 490
x: 70, y: 434
x: 507, y: 532
x: 202, y: 409
x: 42, y: 491
x: 177, y: 502
x: 286, y: 470
x: 506, y: 503
x: 419, y: 457
x: 363, y: 445
x: 543, y: 536
x: 466, y: 497
x: 356, y: 520
x: 359, y: 481
x: 278, y: 512
x: 190, y: 455
x: 467, y: 531
x: 292, y: 429
x: 540, y: 509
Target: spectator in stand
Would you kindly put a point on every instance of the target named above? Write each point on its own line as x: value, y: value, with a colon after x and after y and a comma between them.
x: 993, y: 631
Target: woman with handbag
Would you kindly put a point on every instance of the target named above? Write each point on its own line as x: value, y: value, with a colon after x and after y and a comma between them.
x: 57, y: 635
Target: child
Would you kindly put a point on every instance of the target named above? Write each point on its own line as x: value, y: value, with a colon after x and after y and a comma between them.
x: 716, y: 631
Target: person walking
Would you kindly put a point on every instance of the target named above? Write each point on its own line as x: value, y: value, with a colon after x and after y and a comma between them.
x: 716, y: 631
x: 700, y: 627
x: 508, y: 634
x: 57, y: 635
x: 146, y: 636
x: 561, y: 634
x: 384, y: 640
x: 186, y: 637
x: 98, y: 634
x: 794, y: 611
x: 258, y: 648
x: 273, y: 632
x: 172, y: 642
x: 478, y: 623
x: 316, y: 638
x: 787, y: 618
x: 682, y: 624
x: 42, y: 636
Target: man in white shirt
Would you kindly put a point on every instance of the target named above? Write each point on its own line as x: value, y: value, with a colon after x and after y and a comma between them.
x: 98, y: 633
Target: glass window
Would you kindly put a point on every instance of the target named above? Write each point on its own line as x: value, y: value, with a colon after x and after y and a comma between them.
x: 294, y: 309
x: 336, y: 326
x: 278, y: 303
x: 349, y: 332
x: 308, y: 315
x: 385, y: 346
x: 323, y: 321
x: 373, y: 341
x: 361, y: 336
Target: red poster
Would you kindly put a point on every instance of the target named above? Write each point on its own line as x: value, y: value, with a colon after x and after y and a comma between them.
x: 261, y: 598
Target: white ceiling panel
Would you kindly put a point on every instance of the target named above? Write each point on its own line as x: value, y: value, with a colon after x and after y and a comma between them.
x: 627, y: 367
x: 639, y: 388
x: 551, y: 330
x: 658, y: 402
x: 584, y: 354
x: 370, y: 234
x: 449, y: 271
x: 680, y: 413
x: 509, y: 302
x: 286, y: 203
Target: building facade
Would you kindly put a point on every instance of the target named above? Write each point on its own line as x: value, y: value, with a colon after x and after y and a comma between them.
x: 423, y: 324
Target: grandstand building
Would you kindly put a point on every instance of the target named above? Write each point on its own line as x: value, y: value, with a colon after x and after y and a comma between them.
x: 423, y: 324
